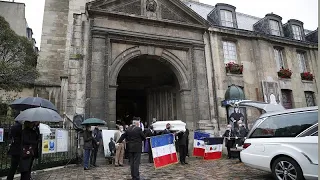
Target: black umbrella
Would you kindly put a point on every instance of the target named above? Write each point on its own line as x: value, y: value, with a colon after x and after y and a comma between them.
x: 32, y: 102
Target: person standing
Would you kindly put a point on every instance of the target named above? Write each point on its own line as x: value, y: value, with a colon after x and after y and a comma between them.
x: 182, y: 142
x: 149, y: 133
x: 134, y: 137
x: 30, y: 142
x: 112, y: 147
x: 87, y: 146
x: 14, y: 148
x: 96, y: 144
x: 119, y: 147
x: 187, y: 144
x: 228, y: 134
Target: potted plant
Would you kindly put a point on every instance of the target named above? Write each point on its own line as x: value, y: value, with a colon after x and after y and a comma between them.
x: 285, y: 73
x: 308, y: 76
x: 234, y: 68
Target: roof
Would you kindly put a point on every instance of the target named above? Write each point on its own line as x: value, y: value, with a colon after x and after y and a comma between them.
x: 244, y: 21
x: 313, y: 108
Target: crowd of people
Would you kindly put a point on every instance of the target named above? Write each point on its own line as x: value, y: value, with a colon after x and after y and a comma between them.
x: 130, y: 142
x: 23, y: 148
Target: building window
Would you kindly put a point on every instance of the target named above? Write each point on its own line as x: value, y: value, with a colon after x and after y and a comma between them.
x: 287, y: 98
x: 309, y: 98
x: 302, y: 62
x: 229, y: 52
x: 275, y: 28
x: 226, y: 18
x: 278, y: 56
x: 297, y: 33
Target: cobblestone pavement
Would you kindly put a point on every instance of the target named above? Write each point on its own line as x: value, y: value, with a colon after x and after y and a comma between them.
x: 197, y: 169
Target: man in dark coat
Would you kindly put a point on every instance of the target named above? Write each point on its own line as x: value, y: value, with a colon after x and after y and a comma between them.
x: 187, y: 145
x: 228, y: 134
x: 182, y: 142
x: 96, y: 144
x: 87, y: 146
x: 134, y: 137
x: 149, y: 133
x: 14, y: 148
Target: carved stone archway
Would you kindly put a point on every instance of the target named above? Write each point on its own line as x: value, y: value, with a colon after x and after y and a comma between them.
x: 161, y: 54
x: 175, y: 64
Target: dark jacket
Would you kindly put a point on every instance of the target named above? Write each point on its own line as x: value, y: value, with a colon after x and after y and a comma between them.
x: 97, y: 138
x: 182, y: 138
x: 150, y: 133
x: 229, y: 133
x: 243, y: 132
x: 88, y: 139
x: 166, y: 131
x: 134, y: 137
x: 15, y: 138
x: 112, y: 147
x: 29, y: 138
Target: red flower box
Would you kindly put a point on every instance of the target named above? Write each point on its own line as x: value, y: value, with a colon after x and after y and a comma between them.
x: 308, y: 76
x: 285, y: 73
x: 234, y: 68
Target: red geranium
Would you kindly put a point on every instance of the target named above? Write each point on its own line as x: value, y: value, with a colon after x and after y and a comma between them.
x: 234, y: 68
x: 285, y: 73
x: 308, y: 76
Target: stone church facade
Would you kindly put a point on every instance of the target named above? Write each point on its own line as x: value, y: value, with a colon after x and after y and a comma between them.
x: 161, y: 59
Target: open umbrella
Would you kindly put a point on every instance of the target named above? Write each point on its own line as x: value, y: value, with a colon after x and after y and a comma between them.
x: 44, y: 129
x: 32, y: 102
x: 39, y: 114
x: 93, y: 122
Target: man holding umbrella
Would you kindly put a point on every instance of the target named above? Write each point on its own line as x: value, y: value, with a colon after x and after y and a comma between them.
x: 88, y: 139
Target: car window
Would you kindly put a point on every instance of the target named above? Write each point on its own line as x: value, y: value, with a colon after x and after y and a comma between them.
x: 286, y: 125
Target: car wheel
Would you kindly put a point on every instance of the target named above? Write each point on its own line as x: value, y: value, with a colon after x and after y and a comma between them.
x: 285, y: 168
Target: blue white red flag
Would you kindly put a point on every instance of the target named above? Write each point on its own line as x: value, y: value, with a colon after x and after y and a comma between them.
x: 163, y: 150
x: 213, y: 148
x: 198, y: 143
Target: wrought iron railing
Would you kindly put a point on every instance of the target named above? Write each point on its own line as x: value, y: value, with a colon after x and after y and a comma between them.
x: 45, y: 160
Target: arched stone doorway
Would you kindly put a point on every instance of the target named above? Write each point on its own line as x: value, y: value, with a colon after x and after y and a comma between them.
x: 149, y: 82
x: 147, y: 88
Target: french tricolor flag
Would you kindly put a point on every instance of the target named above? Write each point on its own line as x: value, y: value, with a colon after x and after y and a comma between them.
x: 213, y: 148
x: 198, y: 143
x: 163, y: 150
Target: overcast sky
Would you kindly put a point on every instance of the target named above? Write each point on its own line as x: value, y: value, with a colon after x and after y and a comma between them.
x: 303, y: 10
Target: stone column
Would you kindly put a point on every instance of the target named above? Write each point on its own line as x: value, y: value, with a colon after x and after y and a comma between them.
x: 201, y: 84
x: 112, y: 104
x: 97, y: 89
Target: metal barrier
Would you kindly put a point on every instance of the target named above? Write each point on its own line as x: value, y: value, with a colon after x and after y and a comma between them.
x: 45, y: 160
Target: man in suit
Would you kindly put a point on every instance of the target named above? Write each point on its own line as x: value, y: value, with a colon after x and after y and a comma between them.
x: 182, y: 142
x: 98, y: 138
x: 14, y: 148
x: 134, y: 137
x: 149, y: 133
x: 187, y: 145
